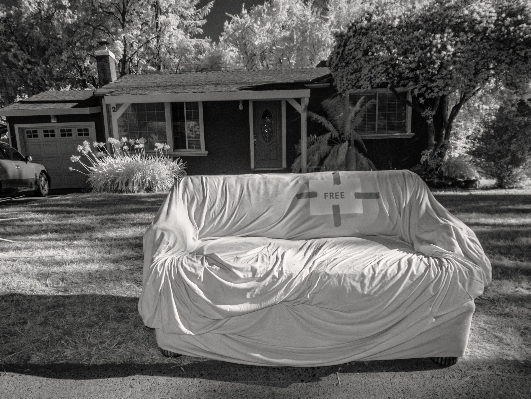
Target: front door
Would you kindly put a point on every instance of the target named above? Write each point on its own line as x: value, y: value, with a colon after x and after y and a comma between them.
x: 267, y: 120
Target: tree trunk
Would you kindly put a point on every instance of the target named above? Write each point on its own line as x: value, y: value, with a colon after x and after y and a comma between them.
x: 442, y: 132
x: 431, y: 134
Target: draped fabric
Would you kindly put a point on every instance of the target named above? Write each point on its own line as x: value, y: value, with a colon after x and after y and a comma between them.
x: 310, y: 269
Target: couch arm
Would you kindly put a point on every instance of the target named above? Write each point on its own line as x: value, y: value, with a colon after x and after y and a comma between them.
x: 427, y: 226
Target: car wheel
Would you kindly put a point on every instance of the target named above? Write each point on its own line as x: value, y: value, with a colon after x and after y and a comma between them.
x: 43, y: 185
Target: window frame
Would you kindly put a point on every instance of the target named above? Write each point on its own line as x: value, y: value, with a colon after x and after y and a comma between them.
x: 384, y: 134
x: 186, y: 151
x: 117, y: 110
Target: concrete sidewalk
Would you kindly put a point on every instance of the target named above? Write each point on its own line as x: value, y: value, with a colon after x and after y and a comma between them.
x: 203, y: 378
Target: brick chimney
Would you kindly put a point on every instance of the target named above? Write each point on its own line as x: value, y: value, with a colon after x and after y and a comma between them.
x: 106, y: 62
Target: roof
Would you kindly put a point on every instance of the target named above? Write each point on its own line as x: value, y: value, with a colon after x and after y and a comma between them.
x: 213, y: 81
x: 23, y: 109
x: 55, y: 102
x: 28, y: 106
x: 60, y: 95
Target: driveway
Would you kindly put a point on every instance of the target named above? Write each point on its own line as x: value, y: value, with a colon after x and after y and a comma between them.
x: 202, y: 378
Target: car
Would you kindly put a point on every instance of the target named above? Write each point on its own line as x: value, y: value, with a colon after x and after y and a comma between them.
x: 18, y: 174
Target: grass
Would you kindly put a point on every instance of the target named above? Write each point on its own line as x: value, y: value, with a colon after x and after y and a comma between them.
x: 501, y: 219
x: 70, y: 277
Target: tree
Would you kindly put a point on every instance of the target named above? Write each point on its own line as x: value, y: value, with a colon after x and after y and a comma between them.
x: 289, y: 33
x: 437, y: 50
x: 503, y: 150
x: 35, y: 59
x: 150, y: 34
x: 277, y: 34
x: 57, y: 52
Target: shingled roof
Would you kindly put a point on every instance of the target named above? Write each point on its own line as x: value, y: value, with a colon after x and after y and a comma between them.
x: 60, y: 96
x: 55, y: 102
x: 214, y: 81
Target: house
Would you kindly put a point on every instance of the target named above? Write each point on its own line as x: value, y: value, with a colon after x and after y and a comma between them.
x: 219, y: 122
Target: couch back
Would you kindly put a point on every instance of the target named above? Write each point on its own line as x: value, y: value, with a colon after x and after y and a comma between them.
x: 294, y: 206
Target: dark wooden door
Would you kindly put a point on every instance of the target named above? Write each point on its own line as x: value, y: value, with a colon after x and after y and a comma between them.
x: 267, y: 129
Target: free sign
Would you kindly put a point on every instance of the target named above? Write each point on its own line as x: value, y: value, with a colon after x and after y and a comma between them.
x: 329, y: 196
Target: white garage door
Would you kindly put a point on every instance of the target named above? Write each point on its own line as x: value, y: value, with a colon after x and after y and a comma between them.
x: 53, y: 146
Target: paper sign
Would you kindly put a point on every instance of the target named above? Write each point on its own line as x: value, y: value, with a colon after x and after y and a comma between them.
x: 327, y: 196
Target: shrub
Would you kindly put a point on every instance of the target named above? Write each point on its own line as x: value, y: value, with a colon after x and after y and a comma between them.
x: 447, y: 171
x: 458, y: 168
x: 124, y: 171
x: 503, y: 151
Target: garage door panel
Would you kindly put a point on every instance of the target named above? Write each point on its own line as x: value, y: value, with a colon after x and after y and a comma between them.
x: 54, y: 147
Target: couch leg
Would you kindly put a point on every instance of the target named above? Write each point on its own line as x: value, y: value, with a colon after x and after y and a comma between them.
x: 169, y: 353
x: 444, y: 361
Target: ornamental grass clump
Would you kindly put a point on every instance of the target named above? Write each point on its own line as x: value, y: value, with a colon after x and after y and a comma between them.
x: 126, y: 168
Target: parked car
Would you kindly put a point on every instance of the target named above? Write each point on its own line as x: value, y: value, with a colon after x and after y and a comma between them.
x: 18, y: 174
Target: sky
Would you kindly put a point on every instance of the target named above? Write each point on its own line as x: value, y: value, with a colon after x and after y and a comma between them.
x: 216, y: 18
x: 218, y: 14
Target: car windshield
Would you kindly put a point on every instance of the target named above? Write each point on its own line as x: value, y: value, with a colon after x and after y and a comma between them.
x: 15, y: 155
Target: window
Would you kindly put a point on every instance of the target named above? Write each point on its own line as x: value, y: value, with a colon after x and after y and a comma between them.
x: 386, y: 115
x: 144, y: 120
x: 66, y: 132
x: 179, y: 124
x: 267, y: 126
x: 15, y: 155
x: 32, y: 134
x: 186, y: 126
x: 3, y: 153
x: 83, y: 132
x: 48, y: 133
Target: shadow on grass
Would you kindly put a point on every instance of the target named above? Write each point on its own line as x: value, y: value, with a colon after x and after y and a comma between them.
x: 102, y: 336
x: 492, y: 204
x: 213, y: 370
x: 78, y: 200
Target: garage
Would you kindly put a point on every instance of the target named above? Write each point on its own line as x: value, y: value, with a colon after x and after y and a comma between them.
x: 52, y: 145
x: 50, y: 125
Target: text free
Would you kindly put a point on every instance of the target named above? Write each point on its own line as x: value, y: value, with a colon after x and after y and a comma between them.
x: 335, y: 195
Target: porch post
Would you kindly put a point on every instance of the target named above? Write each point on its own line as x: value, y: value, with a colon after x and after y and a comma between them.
x: 304, y: 133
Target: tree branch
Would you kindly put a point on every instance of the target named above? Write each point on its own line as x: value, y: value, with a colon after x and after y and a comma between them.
x: 405, y: 100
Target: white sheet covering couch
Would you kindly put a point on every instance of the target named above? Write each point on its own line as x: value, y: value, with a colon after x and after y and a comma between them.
x: 310, y: 269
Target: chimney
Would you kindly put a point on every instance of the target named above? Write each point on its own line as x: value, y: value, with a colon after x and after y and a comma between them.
x: 106, y: 64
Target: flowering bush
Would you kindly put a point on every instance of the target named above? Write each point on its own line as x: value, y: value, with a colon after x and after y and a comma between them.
x: 127, y: 168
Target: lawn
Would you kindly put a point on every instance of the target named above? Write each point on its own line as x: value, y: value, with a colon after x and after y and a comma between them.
x: 71, y: 269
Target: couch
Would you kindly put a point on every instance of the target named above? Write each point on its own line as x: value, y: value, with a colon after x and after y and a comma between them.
x: 310, y: 269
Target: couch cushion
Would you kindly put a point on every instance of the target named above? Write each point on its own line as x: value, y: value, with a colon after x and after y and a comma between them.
x: 370, y: 282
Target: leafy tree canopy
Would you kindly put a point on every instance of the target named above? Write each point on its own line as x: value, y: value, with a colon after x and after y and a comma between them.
x: 150, y: 34
x: 289, y: 33
x: 48, y: 44
x: 441, y: 50
x: 279, y: 33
